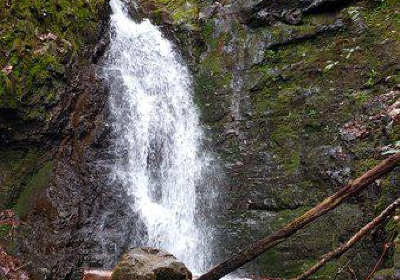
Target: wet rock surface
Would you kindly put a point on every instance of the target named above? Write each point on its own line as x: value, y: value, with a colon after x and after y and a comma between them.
x: 150, y: 264
x: 82, y: 218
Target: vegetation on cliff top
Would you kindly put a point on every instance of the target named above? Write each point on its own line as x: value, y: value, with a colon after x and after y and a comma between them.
x: 39, y: 40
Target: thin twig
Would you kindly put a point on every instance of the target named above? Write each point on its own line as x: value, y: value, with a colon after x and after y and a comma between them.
x: 353, y: 273
x: 341, y: 269
x: 378, y: 264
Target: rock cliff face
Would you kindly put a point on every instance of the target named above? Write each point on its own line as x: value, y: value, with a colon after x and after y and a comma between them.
x: 297, y: 97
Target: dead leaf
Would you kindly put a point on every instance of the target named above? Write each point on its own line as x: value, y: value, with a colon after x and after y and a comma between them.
x: 48, y: 36
x: 7, y: 69
x: 40, y: 51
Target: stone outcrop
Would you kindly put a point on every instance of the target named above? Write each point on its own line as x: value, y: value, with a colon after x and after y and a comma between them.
x: 265, y: 13
x: 150, y: 264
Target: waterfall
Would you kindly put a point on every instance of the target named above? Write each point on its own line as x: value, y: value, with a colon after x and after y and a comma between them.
x: 158, y: 136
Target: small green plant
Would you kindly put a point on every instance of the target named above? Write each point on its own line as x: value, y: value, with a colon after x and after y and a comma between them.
x: 4, y: 230
x: 371, y: 78
x: 392, y: 229
x: 312, y: 113
x: 361, y: 97
x: 380, y: 4
x: 271, y: 54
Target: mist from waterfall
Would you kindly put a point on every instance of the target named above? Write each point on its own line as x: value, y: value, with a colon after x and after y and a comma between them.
x: 158, y: 137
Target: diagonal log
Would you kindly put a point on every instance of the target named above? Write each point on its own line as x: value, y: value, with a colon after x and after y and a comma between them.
x: 353, y: 240
x: 260, y: 246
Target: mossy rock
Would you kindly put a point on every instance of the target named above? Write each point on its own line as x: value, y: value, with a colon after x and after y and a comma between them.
x: 34, y: 187
x: 39, y: 41
x: 180, y: 12
x: 24, y: 174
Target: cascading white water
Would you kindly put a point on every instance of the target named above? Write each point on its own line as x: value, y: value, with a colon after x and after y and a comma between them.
x: 158, y: 135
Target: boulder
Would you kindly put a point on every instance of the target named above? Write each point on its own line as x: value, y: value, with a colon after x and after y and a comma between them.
x: 150, y: 264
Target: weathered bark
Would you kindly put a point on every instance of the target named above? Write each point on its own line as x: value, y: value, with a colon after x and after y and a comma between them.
x: 353, y: 240
x: 97, y: 275
x: 259, y: 247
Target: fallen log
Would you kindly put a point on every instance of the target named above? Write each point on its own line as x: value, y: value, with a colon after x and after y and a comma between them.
x: 97, y: 274
x: 259, y: 247
x: 353, y: 240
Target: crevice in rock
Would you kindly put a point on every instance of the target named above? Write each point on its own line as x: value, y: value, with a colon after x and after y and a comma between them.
x: 337, y: 26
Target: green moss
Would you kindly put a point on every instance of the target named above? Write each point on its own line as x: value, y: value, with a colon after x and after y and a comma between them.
x: 182, y: 12
x: 24, y: 175
x: 293, y: 163
x: 272, y: 262
x: 394, y: 134
x: 380, y: 21
x: 365, y: 165
x: 385, y: 274
x: 289, y: 70
x: 8, y: 100
x: 392, y: 229
x: 286, y: 216
x: 4, y: 230
x: 276, y: 96
x: 208, y: 29
x: 277, y: 266
x: 15, y: 170
x: 282, y: 134
x: 278, y: 262
x: 216, y: 64
x: 328, y: 272
x: 35, y: 186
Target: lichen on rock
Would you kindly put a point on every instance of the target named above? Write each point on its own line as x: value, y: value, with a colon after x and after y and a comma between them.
x: 150, y: 264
